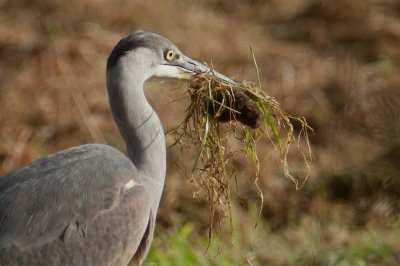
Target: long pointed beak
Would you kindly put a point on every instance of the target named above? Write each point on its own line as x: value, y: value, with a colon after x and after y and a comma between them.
x: 194, y: 72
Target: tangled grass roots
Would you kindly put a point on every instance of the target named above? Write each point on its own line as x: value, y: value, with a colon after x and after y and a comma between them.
x: 214, y: 102
x: 241, y: 107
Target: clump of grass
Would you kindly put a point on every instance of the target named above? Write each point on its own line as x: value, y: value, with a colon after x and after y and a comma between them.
x: 249, y: 113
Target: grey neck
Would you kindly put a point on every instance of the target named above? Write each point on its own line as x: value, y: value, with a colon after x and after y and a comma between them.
x: 138, y: 124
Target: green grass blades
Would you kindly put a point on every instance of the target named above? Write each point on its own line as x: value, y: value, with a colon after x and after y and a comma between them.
x: 219, y: 111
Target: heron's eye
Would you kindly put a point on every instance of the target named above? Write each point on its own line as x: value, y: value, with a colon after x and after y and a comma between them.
x: 169, y: 55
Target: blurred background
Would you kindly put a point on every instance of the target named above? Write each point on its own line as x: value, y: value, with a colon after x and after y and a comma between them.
x: 334, y: 62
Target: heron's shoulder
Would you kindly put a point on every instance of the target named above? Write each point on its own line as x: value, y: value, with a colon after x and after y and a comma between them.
x: 90, y: 150
x: 94, y: 160
x: 45, y: 196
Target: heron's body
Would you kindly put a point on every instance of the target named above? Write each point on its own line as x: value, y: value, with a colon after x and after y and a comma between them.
x: 93, y: 205
x: 74, y: 225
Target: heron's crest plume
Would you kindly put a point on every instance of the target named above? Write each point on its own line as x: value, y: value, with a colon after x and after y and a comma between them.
x: 139, y: 39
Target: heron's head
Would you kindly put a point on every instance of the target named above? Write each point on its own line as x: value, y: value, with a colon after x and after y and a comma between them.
x: 157, y: 58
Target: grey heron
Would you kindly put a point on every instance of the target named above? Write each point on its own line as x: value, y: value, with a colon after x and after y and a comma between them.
x: 92, y: 204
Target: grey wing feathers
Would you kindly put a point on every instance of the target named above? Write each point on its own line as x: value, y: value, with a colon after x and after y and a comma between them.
x: 40, y: 200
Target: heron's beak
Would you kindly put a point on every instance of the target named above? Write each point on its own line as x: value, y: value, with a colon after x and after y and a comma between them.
x: 193, y: 71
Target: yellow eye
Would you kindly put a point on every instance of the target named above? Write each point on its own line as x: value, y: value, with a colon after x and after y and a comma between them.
x: 169, y: 55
